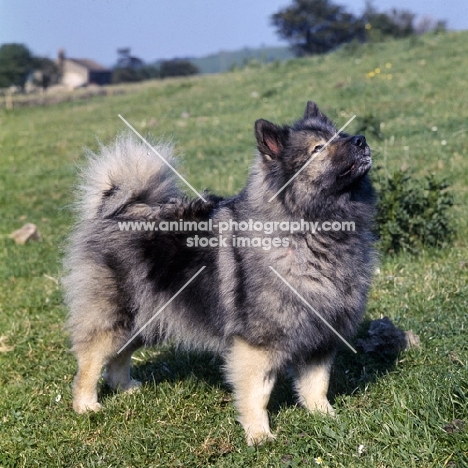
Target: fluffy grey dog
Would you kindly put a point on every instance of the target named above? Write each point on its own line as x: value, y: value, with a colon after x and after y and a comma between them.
x: 119, y: 280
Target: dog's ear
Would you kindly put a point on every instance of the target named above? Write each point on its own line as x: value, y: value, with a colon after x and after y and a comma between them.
x: 312, y: 111
x: 271, y: 139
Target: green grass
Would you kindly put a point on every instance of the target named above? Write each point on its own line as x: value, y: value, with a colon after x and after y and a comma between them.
x: 184, y: 415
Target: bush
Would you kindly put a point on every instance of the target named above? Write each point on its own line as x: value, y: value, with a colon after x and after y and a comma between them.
x: 125, y: 75
x: 413, y: 213
x: 132, y: 75
x: 177, y: 67
x: 369, y: 123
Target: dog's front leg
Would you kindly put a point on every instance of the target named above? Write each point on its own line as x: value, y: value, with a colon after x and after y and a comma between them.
x: 249, y: 371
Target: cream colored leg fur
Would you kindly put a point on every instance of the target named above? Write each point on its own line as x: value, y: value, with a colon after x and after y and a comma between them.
x: 312, y: 385
x: 250, y: 374
x: 92, y: 357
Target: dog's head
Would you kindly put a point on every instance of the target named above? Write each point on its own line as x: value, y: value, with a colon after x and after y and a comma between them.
x: 311, y: 157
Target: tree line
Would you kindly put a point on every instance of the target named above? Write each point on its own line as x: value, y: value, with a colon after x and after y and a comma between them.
x: 132, y: 69
x: 18, y: 64
x: 319, y: 26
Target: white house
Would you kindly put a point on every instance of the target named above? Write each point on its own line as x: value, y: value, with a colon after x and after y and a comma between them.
x: 76, y: 73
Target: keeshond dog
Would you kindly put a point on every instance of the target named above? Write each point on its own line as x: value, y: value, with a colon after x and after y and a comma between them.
x: 264, y: 306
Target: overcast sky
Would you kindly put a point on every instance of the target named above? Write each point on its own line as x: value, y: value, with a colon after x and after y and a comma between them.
x: 168, y: 28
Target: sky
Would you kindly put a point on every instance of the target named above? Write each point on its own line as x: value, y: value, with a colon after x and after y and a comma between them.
x: 164, y: 29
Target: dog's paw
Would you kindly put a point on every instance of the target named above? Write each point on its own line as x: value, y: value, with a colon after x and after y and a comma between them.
x: 131, y: 386
x: 327, y: 409
x: 82, y: 407
x: 322, y: 406
x: 120, y: 383
x: 258, y: 437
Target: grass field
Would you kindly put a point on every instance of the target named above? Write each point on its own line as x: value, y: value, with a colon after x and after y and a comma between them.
x: 396, y: 413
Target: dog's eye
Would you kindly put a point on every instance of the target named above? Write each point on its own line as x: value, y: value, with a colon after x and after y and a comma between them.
x: 318, y: 148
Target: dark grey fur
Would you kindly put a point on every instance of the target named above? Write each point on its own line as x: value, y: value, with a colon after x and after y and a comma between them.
x: 117, y: 280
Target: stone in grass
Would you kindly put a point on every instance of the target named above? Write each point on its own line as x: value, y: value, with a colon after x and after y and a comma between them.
x: 412, y: 340
x: 26, y: 233
x: 457, y: 425
x: 384, y: 339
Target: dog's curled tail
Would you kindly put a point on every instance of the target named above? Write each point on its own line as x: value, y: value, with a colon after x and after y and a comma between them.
x: 124, y: 173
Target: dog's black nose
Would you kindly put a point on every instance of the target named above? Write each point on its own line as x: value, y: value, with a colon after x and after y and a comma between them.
x: 359, y: 140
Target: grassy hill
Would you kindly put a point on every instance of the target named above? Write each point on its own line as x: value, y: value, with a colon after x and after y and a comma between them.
x: 227, y: 60
x: 398, y: 413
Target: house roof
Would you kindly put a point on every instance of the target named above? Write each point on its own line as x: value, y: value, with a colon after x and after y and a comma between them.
x: 91, y: 65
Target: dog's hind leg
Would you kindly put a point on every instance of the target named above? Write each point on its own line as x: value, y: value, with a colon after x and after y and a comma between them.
x: 312, y: 384
x: 92, y: 355
x: 249, y: 370
x: 117, y: 373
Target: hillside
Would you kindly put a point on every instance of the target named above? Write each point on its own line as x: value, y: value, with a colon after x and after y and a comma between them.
x: 227, y: 60
x: 402, y: 413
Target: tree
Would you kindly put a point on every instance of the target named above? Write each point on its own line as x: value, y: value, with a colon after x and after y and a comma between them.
x: 427, y: 24
x: 16, y: 62
x: 126, y: 60
x: 128, y: 69
x: 317, y: 26
x: 395, y: 23
x: 46, y: 72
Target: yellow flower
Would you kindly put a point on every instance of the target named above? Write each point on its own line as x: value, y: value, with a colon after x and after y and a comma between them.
x: 377, y: 70
x: 389, y: 77
x: 388, y: 65
x: 318, y: 460
x: 368, y: 26
x: 370, y: 74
